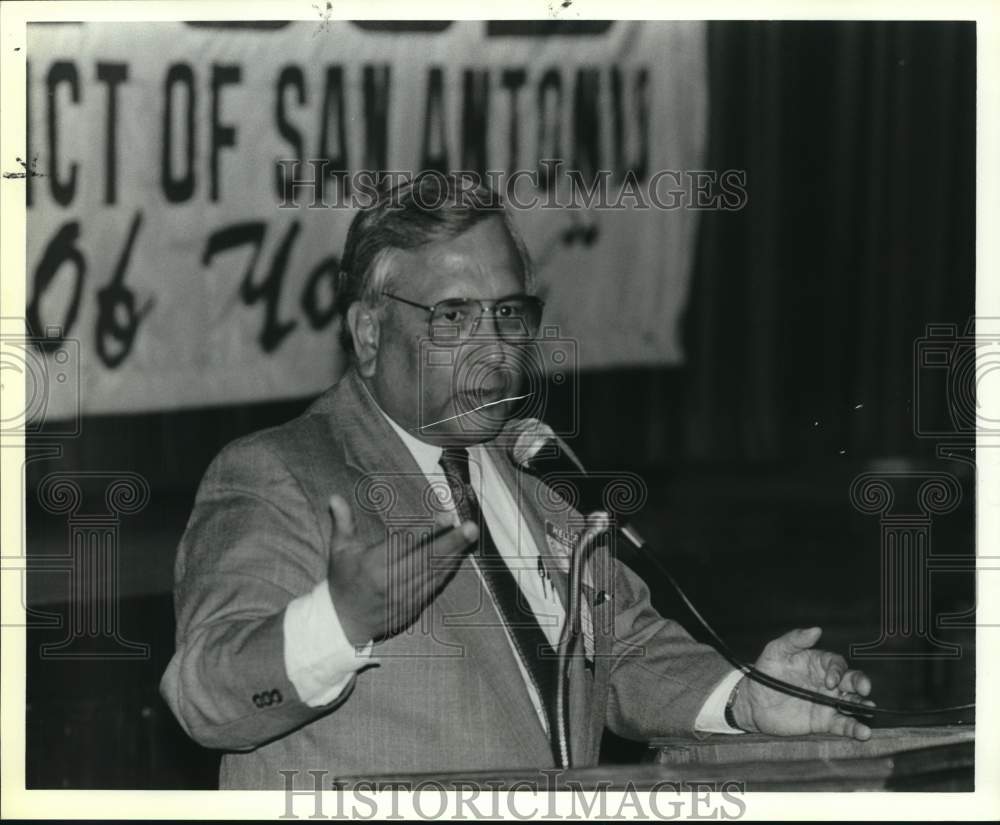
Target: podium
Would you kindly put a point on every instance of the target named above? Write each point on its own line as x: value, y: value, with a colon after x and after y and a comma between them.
x: 894, y: 759
x: 938, y: 758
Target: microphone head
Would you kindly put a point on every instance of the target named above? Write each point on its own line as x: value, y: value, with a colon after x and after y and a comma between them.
x: 529, y: 435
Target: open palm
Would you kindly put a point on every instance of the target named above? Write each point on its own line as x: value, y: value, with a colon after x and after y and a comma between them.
x: 792, y: 659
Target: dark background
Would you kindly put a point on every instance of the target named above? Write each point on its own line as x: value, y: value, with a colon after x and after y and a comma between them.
x: 859, y: 145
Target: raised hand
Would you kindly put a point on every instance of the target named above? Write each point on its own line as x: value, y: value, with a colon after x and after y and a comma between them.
x: 382, y: 589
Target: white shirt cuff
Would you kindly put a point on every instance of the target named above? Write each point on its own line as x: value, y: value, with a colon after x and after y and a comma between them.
x: 712, y: 716
x: 319, y: 658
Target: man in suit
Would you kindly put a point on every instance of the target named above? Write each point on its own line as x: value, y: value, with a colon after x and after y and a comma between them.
x: 375, y: 587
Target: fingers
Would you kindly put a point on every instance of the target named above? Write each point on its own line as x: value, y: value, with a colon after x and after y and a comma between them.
x: 799, y: 639
x: 857, y: 698
x: 850, y: 727
x: 454, y: 541
x: 855, y: 681
x: 443, y: 553
x: 444, y: 550
x: 835, y: 667
x: 343, y: 521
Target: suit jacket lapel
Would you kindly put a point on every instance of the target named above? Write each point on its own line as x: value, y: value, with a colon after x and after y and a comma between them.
x: 466, y: 606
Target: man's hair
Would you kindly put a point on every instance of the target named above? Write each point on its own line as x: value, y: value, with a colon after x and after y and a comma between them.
x: 430, y: 207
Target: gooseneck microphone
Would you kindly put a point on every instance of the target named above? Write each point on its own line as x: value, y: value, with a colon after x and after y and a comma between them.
x: 534, y: 447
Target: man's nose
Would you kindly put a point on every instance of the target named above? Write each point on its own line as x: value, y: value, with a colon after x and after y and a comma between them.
x: 487, y: 336
x: 486, y: 349
x: 487, y: 326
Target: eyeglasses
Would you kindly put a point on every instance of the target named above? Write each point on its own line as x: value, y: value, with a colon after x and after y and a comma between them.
x: 516, y: 317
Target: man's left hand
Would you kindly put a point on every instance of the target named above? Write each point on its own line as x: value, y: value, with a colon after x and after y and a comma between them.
x: 792, y: 659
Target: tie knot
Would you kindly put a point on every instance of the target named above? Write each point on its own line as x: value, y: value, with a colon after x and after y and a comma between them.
x: 455, y: 461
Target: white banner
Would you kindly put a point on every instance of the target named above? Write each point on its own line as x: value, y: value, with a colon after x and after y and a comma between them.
x: 162, y: 243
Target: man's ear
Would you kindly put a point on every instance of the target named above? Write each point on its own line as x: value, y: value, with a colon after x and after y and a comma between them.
x: 363, y: 322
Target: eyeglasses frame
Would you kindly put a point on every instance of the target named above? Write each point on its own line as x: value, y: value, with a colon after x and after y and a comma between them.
x: 483, y: 302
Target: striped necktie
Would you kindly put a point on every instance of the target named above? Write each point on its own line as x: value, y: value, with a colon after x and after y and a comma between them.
x: 530, y: 641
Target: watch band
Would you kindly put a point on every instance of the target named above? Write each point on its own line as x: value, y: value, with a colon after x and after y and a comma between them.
x: 728, y: 714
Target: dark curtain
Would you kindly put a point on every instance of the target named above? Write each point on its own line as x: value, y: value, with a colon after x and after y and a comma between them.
x: 858, y: 141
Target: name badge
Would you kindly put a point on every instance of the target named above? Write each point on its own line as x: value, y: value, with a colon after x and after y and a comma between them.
x: 561, y: 543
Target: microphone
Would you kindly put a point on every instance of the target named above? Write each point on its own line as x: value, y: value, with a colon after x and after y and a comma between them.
x: 535, y: 448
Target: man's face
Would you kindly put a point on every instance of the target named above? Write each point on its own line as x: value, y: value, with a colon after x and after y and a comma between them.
x: 431, y: 390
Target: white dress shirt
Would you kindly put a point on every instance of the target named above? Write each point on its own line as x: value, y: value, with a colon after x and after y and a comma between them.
x: 320, y: 660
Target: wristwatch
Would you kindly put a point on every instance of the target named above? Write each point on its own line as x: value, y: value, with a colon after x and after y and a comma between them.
x: 728, y: 715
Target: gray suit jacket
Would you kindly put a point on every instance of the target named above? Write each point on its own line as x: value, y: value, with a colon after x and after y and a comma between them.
x: 448, y: 694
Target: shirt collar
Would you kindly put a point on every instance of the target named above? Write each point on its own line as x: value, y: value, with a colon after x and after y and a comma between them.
x: 426, y: 455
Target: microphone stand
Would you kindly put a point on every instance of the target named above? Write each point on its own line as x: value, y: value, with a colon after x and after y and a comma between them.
x: 597, y: 524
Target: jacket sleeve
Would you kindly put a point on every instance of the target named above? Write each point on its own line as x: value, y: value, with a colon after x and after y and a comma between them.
x: 660, y: 676
x: 252, y: 545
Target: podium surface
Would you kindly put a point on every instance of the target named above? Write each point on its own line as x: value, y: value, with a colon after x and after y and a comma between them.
x: 894, y: 759
x: 910, y: 758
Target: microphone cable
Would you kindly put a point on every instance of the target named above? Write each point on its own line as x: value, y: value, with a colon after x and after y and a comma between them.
x: 843, y: 705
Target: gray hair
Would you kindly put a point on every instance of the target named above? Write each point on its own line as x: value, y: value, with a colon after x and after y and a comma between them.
x: 430, y: 207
